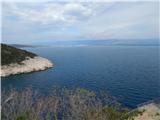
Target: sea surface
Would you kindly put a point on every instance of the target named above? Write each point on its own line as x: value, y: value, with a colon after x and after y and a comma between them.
x: 130, y: 73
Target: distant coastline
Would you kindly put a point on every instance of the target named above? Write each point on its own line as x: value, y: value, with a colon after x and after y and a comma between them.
x: 109, y: 42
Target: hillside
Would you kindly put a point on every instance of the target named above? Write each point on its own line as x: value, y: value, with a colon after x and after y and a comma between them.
x: 11, y: 54
x: 16, y: 61
x: 151, y: 111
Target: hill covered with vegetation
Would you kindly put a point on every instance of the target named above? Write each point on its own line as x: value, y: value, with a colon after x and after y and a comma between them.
x: 17, y: 61
x: 11, y: 54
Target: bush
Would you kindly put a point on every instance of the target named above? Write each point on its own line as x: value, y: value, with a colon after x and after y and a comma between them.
x: 61, y: 104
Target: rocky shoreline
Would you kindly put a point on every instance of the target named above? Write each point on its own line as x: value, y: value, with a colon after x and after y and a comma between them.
x: 28, y: 65
x: 151, y: 111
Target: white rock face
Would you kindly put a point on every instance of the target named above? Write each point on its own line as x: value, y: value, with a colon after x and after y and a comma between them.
x: 152, y: 112
x: 28, y: 65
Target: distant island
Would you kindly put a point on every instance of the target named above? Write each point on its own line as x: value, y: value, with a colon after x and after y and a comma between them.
x: 16, y: 61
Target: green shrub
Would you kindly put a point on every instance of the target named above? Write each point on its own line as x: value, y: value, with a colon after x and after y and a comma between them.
x: 23, y: 116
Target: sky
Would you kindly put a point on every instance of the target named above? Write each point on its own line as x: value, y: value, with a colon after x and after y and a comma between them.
x: 26, y: 23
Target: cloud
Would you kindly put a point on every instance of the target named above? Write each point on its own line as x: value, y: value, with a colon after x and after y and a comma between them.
x: 125, y: 21
x: 51, y: 13
x: 35, y: 22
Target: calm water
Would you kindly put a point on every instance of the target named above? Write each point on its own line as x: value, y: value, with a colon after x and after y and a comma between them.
x: 131, y: 73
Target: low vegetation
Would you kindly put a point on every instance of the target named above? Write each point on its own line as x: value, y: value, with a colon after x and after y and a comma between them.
x: 11, y: 54
x: 62, y: 104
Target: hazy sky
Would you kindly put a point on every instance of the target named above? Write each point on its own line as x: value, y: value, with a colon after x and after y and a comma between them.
x: 50, y: 21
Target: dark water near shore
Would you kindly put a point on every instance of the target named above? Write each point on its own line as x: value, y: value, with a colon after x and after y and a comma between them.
x: 131, y: 73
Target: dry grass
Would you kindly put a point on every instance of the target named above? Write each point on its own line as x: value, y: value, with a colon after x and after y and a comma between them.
x: 61, y: 104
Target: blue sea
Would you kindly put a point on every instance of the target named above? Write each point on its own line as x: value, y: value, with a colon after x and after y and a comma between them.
x: 130, y: 73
